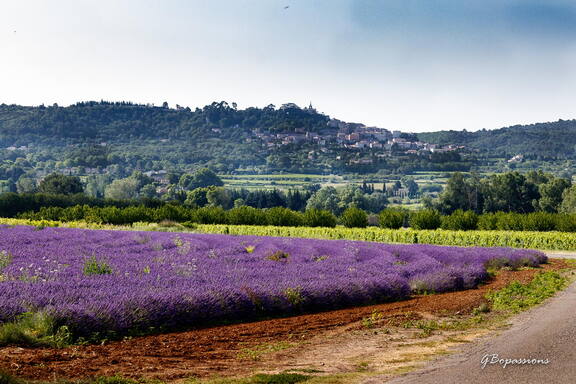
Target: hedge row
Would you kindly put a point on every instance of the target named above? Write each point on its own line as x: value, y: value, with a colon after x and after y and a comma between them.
x: 280, y: 216
x: 468, y: 221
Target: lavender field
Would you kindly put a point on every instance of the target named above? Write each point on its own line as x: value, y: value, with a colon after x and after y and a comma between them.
x: 101, y: 281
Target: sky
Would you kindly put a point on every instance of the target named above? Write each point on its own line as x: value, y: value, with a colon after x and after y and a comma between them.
x: 412, y: 65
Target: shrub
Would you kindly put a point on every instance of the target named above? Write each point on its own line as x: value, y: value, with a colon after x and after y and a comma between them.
x: 294, y: 296
x: 278, y: 256
x: 392, y: 218
x: 566, y: 223
x: 460, y: 221
x: 167, y: 212
x: 373, y: 220
x: 94, y: 267
x: 284, y: 217
x: 354, y: 218
x: 246, y: 216
x: 209, y: 215
x: 426, y: 219
x: 130, y: 215
x: 34, y: 329
x: 487, y: 222
x: 5, y: 259
x: 539, y: 221
x: 319, y: 218
x: 111, y: 215
x: 509, y: 221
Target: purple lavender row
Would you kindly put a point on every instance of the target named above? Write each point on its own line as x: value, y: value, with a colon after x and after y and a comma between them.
x: 94, y: 281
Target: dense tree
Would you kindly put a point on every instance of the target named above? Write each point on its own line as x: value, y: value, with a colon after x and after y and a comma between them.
x: 375, y: 202
x: 509, y: 192
x: 122, y: 189
x: 568, y: 204
x: 338, y: 200
x: 219, y: 197
x: 148, y: 191
x: 26, y: 185
x: 458, y: 194
x: 60, y: 184
x: 197, y: 198
x: 411, y: 185
x: 325, y: 199
x: 200, y: 179
x: 551, y: 194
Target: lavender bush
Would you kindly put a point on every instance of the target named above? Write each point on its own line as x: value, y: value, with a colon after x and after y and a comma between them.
x: 176, y: 280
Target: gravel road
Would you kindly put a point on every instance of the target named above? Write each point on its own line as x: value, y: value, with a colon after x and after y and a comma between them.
x: 546, y: 333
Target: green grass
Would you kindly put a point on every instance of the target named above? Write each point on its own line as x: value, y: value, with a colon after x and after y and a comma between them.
x: 279, y: 181
x: 517, y: 297
x: 6, y: 378
x: 257, y: 352
x: 280, y: 378
x: 281, y: 176
x: 34, y: 329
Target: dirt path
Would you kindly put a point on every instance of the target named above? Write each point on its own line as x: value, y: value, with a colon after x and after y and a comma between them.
x: 330, y: 342
x: 546, y: 333
x: 561, y: 254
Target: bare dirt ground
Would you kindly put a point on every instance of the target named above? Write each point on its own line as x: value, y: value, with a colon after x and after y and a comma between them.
x: 334, y: 342
x: 546, y: 333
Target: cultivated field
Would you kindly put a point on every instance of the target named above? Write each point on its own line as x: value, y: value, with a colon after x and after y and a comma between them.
x: 115, y: 282
x: 175, y: 305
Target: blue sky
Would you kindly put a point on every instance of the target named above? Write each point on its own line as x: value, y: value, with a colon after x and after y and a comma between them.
x: 414, y: 65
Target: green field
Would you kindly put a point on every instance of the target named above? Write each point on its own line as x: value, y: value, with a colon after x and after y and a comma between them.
x: 280, y: 181
x: 295, y: 180
x: 287, y: 181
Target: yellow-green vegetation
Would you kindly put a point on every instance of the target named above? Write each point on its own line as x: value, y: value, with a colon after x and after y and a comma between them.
x: 5, y: 260
x: 372, y: 320
x: 5, y: 378
x: 289, y: 378
x: 513, y: 298
x: 280, y: 378
x: 34, y: 329
x: 257, y: 352
x: 516, y: 297
x: 281, y: 181
x: 514, y: 239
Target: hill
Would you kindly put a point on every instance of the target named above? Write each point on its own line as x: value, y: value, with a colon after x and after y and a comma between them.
x: 542, y: 141
x: 124, y: 120
x: 114, y: 139
x: 93, y: 134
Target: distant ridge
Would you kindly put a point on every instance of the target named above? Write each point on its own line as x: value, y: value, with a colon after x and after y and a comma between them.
x: 129, y: 122
x: 551, y: 140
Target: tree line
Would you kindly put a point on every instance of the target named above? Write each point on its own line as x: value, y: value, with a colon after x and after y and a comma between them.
x: 534, y: 191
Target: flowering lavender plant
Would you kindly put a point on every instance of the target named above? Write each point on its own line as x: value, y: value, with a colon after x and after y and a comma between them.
x: 186, y: 280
